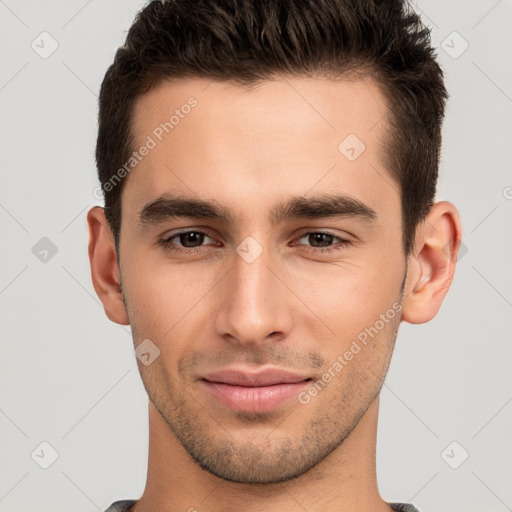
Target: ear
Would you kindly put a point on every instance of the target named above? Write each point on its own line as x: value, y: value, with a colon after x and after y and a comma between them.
x: 432, y: 263
x: 104, y: 268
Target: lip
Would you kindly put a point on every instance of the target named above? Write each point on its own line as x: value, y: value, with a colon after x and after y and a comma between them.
x: 250, y: 391
x: 246, y: 377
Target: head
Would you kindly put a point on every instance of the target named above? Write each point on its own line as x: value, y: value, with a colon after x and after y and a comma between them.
x: 249, y: 42
x: 297, y: 143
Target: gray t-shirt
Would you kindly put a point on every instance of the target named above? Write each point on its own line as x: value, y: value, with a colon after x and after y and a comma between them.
x: 124, y: 506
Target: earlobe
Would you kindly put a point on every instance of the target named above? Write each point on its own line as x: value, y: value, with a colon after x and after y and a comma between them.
x: 432, y: 264
x: 105, y: 272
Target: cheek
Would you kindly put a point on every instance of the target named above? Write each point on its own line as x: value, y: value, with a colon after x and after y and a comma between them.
x: 163, y: 296
x: 348, y: 296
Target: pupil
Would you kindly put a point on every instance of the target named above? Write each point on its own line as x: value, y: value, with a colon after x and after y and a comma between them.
x: 317, y: 237
x: 192, y: 237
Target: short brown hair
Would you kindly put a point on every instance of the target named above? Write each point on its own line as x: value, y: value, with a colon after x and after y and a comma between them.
x: 252, y: 40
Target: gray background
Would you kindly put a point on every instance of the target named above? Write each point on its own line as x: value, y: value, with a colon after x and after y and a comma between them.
x: 68, y: 375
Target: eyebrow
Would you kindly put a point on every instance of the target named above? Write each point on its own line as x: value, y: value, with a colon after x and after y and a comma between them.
x: 168, y: 207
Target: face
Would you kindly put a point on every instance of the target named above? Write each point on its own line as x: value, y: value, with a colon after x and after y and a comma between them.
x: 285, y: 252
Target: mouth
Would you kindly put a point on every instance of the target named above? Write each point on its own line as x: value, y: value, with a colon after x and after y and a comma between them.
x: 254, y: 392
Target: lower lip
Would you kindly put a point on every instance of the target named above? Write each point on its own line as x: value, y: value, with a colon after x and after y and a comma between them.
x: 254, y: 399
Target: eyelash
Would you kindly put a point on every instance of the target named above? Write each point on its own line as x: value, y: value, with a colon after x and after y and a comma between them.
x: 169, y: 246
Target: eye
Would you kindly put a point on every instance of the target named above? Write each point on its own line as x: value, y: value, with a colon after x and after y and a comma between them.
x: 322, y: 242
x: 190, y: 241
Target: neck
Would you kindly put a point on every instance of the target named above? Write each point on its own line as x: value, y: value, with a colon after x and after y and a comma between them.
x: 343, y: 481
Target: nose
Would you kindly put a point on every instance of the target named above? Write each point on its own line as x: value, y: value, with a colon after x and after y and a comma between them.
x: 256, y: 304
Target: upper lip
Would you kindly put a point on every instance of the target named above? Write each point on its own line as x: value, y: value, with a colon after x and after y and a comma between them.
x: 241, y: 377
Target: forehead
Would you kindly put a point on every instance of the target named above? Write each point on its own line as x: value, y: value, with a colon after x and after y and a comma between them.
x: 288, y: 135
x: 355, y: 102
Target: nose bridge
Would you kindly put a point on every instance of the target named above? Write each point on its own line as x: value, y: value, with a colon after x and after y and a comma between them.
x: 254, y: 305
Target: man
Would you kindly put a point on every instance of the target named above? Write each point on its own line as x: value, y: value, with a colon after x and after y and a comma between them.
x: 269, y: 170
